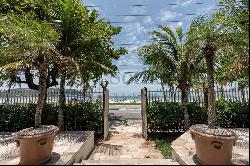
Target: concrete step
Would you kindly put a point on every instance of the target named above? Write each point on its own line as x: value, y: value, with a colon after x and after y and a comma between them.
x: 106, y: 150
x: 129, y: 162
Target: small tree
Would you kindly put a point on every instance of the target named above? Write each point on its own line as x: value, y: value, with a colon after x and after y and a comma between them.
x: 83, y: 51
x: 168, y: 59
x: 217, y: 37
x: 26, y: 42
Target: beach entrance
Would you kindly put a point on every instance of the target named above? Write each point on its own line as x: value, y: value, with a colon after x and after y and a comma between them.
x: 125, y: 114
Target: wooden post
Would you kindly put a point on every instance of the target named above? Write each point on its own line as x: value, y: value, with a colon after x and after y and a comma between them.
x: 106, y: 112
x: 144, y: 112
x: 175, y: 90
x: 142, y: 109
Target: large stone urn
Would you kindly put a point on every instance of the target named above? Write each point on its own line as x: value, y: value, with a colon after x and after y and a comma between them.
x: 35, y: 144
x: 213, y: 146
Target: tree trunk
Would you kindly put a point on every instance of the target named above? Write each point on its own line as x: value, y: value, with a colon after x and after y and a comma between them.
x: 205, y: 92
x: 41, y: 93
x: 209, y: 52
x: 164, y: 93
x: 46, y: 95
x: 184, y: 101
x: 62, y: 103
x: 7, y: 102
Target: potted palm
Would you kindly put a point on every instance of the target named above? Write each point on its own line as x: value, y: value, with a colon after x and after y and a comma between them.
x: 29, y: 45
x: 213, y: 145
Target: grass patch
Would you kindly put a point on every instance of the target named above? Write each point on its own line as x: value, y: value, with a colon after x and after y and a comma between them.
x: 163, y: 142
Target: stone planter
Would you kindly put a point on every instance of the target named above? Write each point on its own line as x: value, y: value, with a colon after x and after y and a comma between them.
x: 213, y: 146
x: 35, y: 144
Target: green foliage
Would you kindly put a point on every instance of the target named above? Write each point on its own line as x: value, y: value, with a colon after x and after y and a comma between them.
x: 227, y: 30
x: 170, y: 116
x: 163, y: 142
x: 164, y: 116
x: 85, y: 116
x: 22, y: 39
x: 232, y: 114
x: 234, y: 17
x: 84, y: 50
x: 197, y: 114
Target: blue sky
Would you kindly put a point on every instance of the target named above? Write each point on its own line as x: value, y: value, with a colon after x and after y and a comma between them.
x: 136, y: 30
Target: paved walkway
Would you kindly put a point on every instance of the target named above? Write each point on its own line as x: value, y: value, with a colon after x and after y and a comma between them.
x: 126, y: 141
x: 126, y: 146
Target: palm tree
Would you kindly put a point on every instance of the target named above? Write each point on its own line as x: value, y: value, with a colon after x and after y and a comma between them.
x: 85, y: 46
x: 169, y: 56
x: 174, y: 44
x: 83, y: 51
x: 219, y: 38
x: 208, y: 39
x: 156, y: 70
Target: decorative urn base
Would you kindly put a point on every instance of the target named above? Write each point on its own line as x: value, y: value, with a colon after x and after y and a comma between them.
x: 35, y: 144
x: 213, y: 146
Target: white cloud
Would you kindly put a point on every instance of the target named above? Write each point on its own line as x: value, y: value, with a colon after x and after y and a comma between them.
x: 128, y: 19
x: 130, y: 39
x: 139, y: 1
x: 134, y: 10
x: 179, y: 24
x: 131, y: 34
x: 138, y: 10
x: 148, y: 19
x: 128, y: 61
x: 167, y: 15
x: 185, y: 2
x: 92, y: 4
x: 134, y: 29
x: 175, y: 25
x: 205, y: 10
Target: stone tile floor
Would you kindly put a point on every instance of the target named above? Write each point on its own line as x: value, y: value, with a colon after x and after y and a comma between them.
x: 125, y: 141
x: 9, y: 153
x: 126, y: 146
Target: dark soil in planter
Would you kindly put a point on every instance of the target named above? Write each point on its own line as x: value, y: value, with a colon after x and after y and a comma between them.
x: 203, y: 128
x: 33, y: 131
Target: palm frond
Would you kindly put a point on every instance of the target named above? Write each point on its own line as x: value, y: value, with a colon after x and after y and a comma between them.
x: 179, y: 33
x: 169, y: 32
x: 146, y: 77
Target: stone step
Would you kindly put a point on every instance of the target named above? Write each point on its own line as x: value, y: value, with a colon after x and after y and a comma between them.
x: 129, y: 162
x: 106, y: 150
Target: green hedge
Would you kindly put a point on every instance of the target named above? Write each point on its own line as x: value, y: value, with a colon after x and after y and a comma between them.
x: 170, y: 116
x: 232, y: 114
x: 164, y: 116
x: 83, y: 116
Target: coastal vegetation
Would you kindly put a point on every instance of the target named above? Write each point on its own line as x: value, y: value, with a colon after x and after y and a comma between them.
x: 80, y: 116
x: 169, y: 117
x: 208, y: 53
x: 55, y: 40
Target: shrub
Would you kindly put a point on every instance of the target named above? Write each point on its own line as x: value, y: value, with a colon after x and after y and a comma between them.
x: 233, y: 114
x: 164, y: 116
x: 169, y: 116
x: 84, y: 116
x: 197, y: 114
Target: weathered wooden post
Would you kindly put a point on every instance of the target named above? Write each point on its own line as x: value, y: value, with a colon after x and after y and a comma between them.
x: 106, y: 112
x: 144, y: 112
